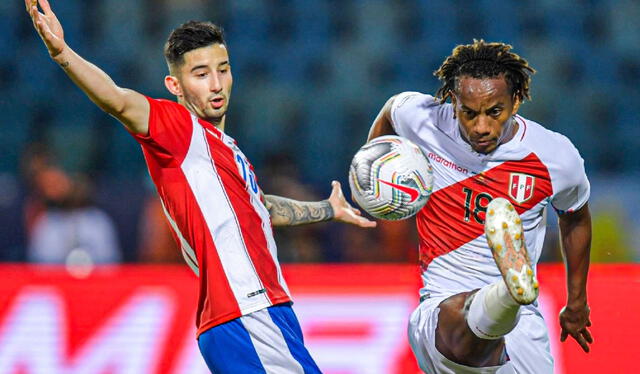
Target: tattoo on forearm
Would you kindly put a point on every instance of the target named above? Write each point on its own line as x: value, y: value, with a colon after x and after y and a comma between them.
x: 287, y: 212
x: 64, y: 64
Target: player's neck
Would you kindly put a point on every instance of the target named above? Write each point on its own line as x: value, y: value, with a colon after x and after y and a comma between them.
x: 217, y: 123
x: 510, y: 130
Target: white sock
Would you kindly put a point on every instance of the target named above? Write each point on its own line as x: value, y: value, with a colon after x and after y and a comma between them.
x: 493, y: 313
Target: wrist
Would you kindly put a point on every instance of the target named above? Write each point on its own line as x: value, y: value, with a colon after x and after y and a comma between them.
x: 331, y: 214
x: 576, y: 294
x: 576, y: 305
x: 61, y: 58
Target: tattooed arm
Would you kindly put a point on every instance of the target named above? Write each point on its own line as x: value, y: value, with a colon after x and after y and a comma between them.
x: 288, y: 212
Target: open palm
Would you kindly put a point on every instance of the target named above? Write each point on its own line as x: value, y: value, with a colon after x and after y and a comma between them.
x: 343, y: 211
x: 47, y: 25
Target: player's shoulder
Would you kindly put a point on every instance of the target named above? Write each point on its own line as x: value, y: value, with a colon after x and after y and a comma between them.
x: 543, y: 139
x: 165, y: 110
x: 167, y: 105
x: 418, y: 110
x: 170, y: 127
x: 555, y: 149
x: 413, y: 99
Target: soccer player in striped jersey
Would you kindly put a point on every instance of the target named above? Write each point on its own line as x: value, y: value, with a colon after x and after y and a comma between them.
x: 482, y: 230
x: 211, y: 198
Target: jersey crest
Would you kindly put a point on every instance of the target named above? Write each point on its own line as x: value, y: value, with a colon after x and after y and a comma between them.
x: 521, y: 186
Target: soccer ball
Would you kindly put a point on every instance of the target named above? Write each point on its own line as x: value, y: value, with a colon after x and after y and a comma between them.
x: 390, y: 178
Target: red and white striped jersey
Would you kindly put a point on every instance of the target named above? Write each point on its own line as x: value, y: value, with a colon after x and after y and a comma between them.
x: 211, y: 198
x: 537, y: 167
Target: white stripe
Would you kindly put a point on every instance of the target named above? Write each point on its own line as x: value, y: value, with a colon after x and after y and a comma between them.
x: 187, y: 252
x: 265, y: 218
x: 200, y: 171
x: 192, y: 264
x: 521, y: 187
x: 271, y: 243
x: 270, y: 345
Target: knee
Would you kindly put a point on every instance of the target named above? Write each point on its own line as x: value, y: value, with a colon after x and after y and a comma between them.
x: 452, y: 334
x: 454, y: 338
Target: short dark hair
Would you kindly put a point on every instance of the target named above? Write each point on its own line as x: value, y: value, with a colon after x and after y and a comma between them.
x: 189, y: 36
x: 484, y: 60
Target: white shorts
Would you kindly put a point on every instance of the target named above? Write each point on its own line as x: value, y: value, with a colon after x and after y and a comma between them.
x: 265, y: 341
x: 527, y: 345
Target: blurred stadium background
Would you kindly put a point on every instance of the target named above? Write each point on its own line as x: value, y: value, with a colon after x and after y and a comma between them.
x: 310, y: 76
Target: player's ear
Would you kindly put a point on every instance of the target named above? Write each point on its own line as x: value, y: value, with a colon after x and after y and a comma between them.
x: 454, y: 103
x: 173, y: 85
x: 516, y: 104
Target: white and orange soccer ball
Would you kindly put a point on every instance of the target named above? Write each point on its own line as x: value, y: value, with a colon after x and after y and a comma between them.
x: 390, y: 178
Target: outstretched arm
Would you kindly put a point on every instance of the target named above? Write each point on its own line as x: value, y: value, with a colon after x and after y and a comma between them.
x: 128, y: 106
x: 382, y: 125
x: 575, y: 232
x: 288, y: 212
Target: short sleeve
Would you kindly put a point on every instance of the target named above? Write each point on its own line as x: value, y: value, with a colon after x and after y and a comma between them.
x: 412, y: 110
x: 571, y: 185
x: 170, y: 130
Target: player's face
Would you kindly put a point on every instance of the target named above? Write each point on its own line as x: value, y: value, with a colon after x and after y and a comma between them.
x: 484, y: 108
x: 205, y: 82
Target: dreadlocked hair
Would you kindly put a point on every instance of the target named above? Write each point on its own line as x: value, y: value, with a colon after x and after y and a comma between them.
x: 484, y: 60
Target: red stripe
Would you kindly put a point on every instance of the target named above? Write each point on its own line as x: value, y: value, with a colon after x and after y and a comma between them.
x: 515, y: 182
x: 185, y: 255
x: 181, y: 204
x: 170, y: 126
x: 528, y: 187
x: 441, y: 223
x: 249, y: 221
x: 192, y: 262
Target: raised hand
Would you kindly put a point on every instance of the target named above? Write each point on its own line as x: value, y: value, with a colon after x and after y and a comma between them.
x: 343, y: 211
x: 575, y: 323
x: 47, y: 25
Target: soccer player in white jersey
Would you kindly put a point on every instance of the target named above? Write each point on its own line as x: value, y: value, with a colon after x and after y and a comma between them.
x: 211, y: 197
x: 478, y: 310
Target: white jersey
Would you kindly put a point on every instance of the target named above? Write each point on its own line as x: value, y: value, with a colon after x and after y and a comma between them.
x: 537, y: 167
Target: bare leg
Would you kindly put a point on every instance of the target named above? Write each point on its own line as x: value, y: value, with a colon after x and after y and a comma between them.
x: 472, y: 325
x: 456, y: 341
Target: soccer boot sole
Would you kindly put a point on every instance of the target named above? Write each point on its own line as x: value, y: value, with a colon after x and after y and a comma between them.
x: 505, y: 237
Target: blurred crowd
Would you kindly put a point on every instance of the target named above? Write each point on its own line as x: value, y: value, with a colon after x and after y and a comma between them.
x: 309, y: 78
x: 64, y: 225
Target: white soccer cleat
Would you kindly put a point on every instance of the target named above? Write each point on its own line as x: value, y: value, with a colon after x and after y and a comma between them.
x: 503, y: 228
